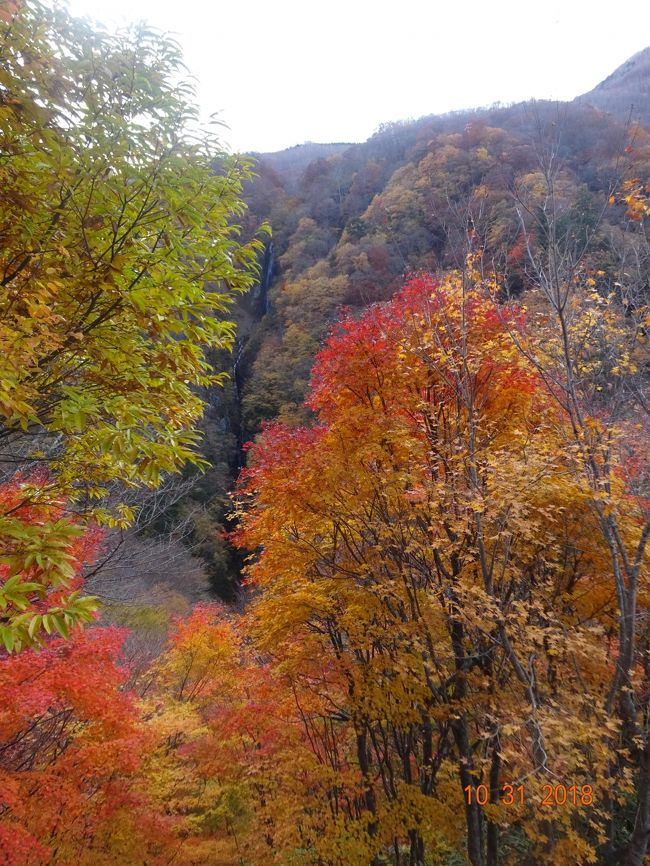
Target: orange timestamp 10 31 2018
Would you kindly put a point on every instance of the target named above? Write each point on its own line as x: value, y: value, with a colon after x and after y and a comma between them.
x: 551, y: 795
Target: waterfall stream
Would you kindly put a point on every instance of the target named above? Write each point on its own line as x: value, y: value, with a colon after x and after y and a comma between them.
x: 267, y: 277
x: 240, y: 342
x: 261, y: 308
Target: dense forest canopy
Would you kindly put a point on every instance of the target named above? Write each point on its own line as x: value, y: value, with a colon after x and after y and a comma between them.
x: 403, y: 436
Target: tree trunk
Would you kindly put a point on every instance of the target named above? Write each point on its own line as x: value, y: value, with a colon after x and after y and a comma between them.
x: 638, y: 846
x: 473, y: 812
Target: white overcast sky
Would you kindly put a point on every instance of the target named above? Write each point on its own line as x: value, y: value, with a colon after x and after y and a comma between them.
x: 281, y: 72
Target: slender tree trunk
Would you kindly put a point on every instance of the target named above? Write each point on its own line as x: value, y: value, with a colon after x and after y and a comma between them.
x: 473, y: 812
x: 370, y: 801
x: 492, y: 834
x: 638, y: 846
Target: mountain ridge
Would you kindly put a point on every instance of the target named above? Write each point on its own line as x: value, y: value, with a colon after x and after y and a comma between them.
x: 625, y: 93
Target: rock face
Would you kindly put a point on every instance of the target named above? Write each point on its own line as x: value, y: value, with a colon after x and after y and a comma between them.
x: 626, y: 91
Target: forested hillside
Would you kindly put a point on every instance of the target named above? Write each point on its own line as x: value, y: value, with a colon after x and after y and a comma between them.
x: 420, y: 196
x: 389, y: 402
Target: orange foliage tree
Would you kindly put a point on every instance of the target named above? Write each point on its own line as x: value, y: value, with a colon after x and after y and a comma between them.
x: 232, y: 765
x: 435, y: 593
x: 71, y: 746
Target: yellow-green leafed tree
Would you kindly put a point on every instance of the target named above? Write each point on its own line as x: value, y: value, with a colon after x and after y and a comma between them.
x: 119, y: 260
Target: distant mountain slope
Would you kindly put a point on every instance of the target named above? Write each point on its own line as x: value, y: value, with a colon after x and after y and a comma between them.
x: 626, y: 90
x: 292, y: 161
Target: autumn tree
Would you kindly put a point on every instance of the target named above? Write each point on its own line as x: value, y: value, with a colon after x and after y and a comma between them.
x: 119, y: 261
x: 71, y: 750
x: 230, y: 764
x: 432, y: 586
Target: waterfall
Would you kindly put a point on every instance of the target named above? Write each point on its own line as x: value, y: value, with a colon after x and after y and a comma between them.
x: 267, y: 276
x: 240, y: 342
x: 259, y: 307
